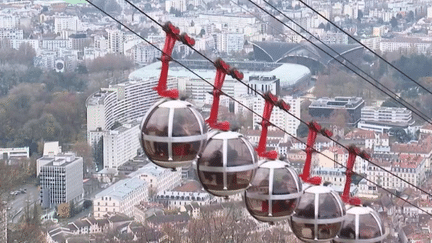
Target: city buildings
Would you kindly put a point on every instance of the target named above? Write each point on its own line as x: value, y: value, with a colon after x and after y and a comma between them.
x: 11, y: 34
x: 116, y: 39
x: 61, y: 179
x: 323, y: 108
x: 411, y: 168
x: 120, y: 144
x: 9, y: 154
x: 123, y: 102
x: 159, y: 179
x: 279, y: 117
x: 72, y: 23
x: 382, y: 119
x: 121, y: 197
x: 177, y: 199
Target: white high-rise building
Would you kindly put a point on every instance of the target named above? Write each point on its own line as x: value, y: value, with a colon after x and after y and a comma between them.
x: 229, y: 42
x: 11, y: 34
x: 116, y: 40
x: 180, y: 5
x: 386, y: 114
x: 61, y: 179
x: 72, y: 23
x: 122, y: 102
x: 120, y: 144
x: 9, y: 21
x: 120, y: 198
x: 279, y: 117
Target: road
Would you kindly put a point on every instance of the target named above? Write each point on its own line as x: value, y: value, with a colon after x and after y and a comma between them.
x: 17, y: 203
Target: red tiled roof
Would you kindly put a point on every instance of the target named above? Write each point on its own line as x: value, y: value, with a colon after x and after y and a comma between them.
x: 360, y: 134
x: 190, y: 186
x: 424, y: 146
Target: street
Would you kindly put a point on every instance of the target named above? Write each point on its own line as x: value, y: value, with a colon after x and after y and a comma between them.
x: 17, y: 203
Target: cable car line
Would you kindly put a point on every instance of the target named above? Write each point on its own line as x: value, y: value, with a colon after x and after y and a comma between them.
x: 425, y: 118
x: 411, y: 107
x: 382, y: 168
x: 376, y: 54
x: 187, y: 68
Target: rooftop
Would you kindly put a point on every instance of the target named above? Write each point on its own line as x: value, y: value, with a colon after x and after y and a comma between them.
x: 150, y: 169
x: 287, y: 73
x: 121, y: 189
x: 342, y: 102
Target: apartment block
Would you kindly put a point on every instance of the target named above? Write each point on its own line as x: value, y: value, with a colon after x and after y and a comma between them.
x: 121, y: 102
x: 72, y: 23
x: 121, y: 197
x: 61, y: 179
x: 159, y: 179
x: 324, y: 107
x: 120, y: 144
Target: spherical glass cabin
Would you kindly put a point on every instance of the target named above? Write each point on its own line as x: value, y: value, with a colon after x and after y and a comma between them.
x: 274, y: 192
x: 362, y: 224
x: 319, y: 215
x: 173, y: 133
x: 227, y: 164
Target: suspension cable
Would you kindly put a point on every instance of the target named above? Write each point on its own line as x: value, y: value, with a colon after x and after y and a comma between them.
x: 283, y: 130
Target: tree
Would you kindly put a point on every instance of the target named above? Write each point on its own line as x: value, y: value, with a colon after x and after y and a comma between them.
x: 82, y: 149
x: 36, y: 215
x: 87, y: 203
x: 359, y: 15
x: 202, y: 32
x: 98, y: 154
x: 390, y: 103
x: 302, y: 130
x: 112, y: 6
x: 399, y: 134
x: 72, y: 209
x: 410, y: 16
x: 340, y: 118
x: 394, y: 22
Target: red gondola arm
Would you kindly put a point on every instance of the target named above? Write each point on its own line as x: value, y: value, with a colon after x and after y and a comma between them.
x: 270, y: 101
x: 221, y: 70
x: 314, y: 128
x: 172, y: 35
x: 353, y: 152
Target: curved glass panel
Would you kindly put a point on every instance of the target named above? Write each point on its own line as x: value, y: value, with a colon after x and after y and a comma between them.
x: 328, y: 231
x: 306, y: 231
x: 283, y: 207
x: 211, y: 180
x: 212, y: 154
x: 156, y: 150
x: 283, y: 182
x: 348, y: 227
x: 157, y: 123
x: 328, y: 207
x: 260, y: 183
x: 185, y: 151
x: 185, y: 123
x: 238, y: 153
x: 257, y: 207
x: 368, y: 227
x: 306, y: 206
x: 239, y: 180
